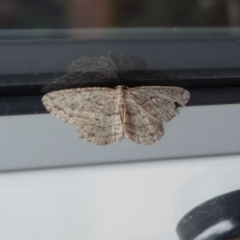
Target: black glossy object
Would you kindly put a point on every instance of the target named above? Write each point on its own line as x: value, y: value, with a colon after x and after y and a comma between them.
x: 216, y: 219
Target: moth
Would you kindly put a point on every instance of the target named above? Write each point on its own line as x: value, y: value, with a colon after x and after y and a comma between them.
x: 104, y: 115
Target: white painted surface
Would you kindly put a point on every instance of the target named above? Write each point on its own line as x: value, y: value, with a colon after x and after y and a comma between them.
x: 128, y: 201
x: 138, y: 201
x: 34, y: 141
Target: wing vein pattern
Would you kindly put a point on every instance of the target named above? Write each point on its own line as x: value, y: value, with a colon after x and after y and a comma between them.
x: 97, y: 111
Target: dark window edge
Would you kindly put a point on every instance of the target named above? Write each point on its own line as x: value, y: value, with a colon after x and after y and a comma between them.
x: 20, y: 105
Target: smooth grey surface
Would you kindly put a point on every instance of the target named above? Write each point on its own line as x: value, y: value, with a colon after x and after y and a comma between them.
x: 118, y: 33
x: 35, y: 141
x: 53, y: 56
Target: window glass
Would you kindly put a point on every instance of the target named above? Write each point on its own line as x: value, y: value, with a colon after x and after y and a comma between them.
x: 194, y: 44
x: 27, y: 14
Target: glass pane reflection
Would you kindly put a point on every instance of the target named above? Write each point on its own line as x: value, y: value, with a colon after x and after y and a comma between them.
x: 18, y: 14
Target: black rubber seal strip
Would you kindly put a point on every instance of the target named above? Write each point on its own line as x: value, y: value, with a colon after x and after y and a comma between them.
x: 21, y: 94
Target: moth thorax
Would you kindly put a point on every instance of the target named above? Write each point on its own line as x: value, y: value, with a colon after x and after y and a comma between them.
x: 120, y: 93
x: 120, y: 98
